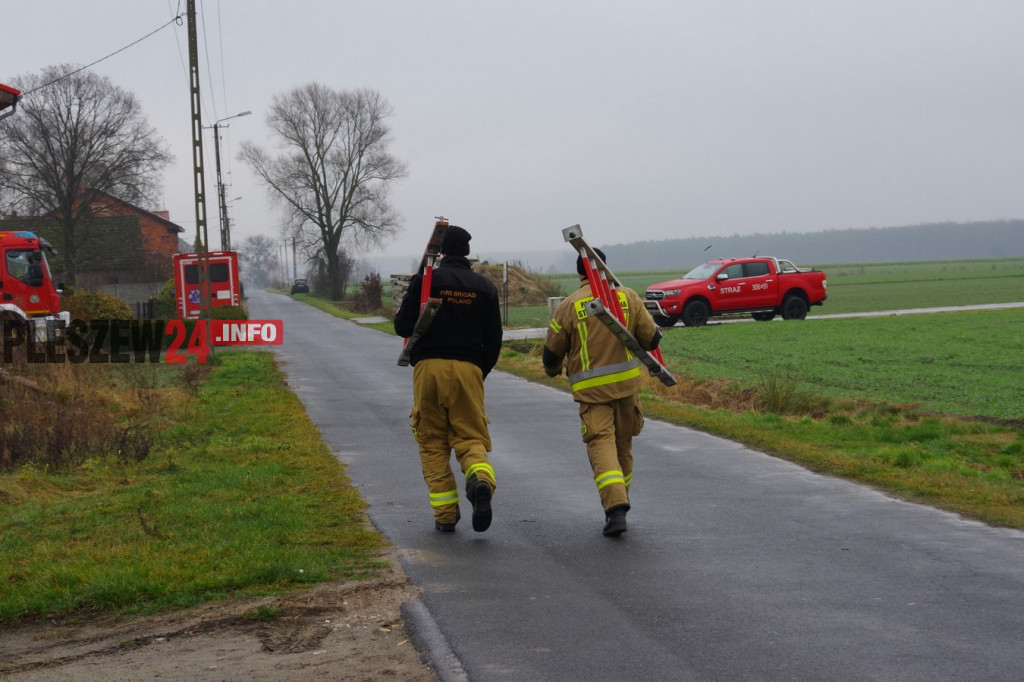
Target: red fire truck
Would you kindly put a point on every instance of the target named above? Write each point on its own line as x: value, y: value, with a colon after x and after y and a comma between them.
x: 27, y: 292
x: 222, y: 275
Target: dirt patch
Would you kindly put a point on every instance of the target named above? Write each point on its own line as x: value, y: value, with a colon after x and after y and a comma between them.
x: 334, y: 631
x: 524, y: 287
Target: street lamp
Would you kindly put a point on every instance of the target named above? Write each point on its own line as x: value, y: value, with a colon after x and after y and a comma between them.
x: 227, y: 218
x: 225, y: 232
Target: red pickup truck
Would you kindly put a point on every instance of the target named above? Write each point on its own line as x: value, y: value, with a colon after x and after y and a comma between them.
x: 763, y: 287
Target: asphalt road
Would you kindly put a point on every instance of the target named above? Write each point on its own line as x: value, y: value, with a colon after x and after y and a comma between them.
x: 736, y: 566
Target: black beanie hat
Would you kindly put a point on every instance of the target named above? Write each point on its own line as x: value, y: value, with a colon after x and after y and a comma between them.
x: 456, y: 241
x: 579, y: 262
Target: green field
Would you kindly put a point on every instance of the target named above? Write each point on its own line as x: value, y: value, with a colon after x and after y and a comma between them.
x: 964, y: 363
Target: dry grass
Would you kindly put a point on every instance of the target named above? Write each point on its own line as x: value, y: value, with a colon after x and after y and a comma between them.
x: 54, y: 417
x: 525, y: 287
x: 775, y: 394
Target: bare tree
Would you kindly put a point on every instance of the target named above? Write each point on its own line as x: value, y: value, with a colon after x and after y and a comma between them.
x: 334, y: 171
x: 77, y: 135
x: 259, y: 259
x: 8, y: 201
x: 319, y: 279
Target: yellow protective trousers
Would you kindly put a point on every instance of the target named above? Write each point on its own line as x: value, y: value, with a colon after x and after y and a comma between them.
x: 448, y: 414
x: 608, y: 430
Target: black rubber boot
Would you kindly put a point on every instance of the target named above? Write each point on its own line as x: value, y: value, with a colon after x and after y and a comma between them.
x: 615, y: 521
x: 479, y: 494
x: 449, y: 527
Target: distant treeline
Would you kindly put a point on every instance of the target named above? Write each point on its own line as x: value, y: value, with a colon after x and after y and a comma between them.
x: 938, y: 241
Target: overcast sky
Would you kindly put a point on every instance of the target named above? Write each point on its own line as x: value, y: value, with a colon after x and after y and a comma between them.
x: 639, y: 120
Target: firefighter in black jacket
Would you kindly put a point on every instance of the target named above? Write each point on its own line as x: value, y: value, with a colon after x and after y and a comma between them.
x: 450, y: 362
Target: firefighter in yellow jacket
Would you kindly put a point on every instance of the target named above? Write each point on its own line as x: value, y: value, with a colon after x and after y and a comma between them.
x: 450, y: 362
x: 605, y: 381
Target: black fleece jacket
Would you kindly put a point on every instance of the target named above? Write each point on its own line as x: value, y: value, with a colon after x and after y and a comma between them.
x: 468, y: 323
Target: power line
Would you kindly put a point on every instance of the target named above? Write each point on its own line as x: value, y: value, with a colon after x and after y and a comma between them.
x: 223, y: 71
x: 206, y: 48
x: 177, y: 42
x: 79, y: 70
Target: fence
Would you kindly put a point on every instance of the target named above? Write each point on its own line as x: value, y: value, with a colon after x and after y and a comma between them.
x: 145, y: 310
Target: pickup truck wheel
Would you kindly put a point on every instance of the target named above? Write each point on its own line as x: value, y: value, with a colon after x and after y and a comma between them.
x: 764, y: 317
x: 794, y: 308
x: 665, y: 320
x: 696, y: 313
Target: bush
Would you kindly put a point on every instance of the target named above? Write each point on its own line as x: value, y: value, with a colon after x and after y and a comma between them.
x: 368, y: 299
x: 165, y: 308
x: 782, y: 395
x: 88, y: 306
x: 229, y: 313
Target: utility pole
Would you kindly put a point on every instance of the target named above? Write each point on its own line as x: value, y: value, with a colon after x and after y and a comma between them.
x: 295, y: 265
x: 284, y: 261
x: 199, y: 179
x: 225, y: 229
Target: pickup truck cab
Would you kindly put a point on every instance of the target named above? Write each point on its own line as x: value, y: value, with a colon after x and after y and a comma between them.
x: 762, y: 287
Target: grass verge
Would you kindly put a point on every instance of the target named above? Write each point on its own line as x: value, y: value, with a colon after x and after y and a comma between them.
x: 238, y: 494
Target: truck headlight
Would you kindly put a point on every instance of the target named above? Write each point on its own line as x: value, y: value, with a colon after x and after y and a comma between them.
x: 672, y: 292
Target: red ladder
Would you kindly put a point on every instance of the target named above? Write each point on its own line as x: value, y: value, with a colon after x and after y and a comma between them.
x: 428, y: 306
x: 607, y: 307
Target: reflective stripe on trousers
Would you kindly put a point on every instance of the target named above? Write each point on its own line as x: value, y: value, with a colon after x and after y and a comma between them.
x: 448, y: 414
x: 608, y: 430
